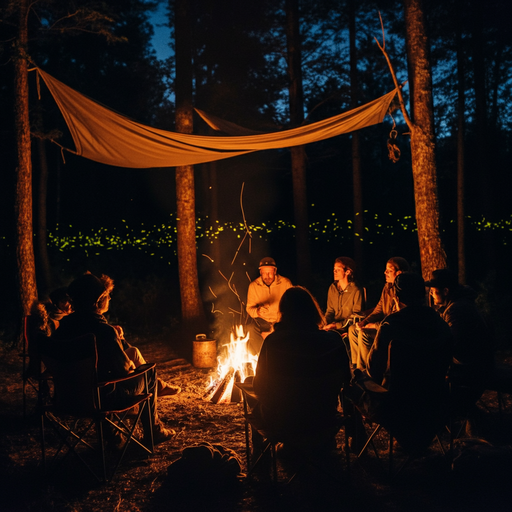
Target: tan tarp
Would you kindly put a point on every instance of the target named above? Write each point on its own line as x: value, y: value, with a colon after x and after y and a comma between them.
x: 221, y: 125
x: 104, y: 136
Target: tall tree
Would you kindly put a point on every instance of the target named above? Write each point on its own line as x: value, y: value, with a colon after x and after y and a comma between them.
x: 461, y: 128
x: 480, y: 71
x: 191, y: 306
x: 423, y: 139
x: 44, y: 20
x: 298, y: 153
x: 356, y: 153
x: 26, y: 270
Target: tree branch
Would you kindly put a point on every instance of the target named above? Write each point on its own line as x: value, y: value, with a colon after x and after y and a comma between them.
x: 410, y: 124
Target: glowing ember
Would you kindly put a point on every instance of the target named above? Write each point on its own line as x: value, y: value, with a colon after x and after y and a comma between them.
x: 235, y: 365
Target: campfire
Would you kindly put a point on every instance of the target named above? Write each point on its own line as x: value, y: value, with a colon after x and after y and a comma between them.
x: 235, y: 364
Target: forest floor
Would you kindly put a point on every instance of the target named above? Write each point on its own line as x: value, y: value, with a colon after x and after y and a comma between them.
x: 478, y: 480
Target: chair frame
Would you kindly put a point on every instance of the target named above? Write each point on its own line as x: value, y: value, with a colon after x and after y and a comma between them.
x: 95, y: 415
x: 35, y: 382
x: 271, y: 440
x: 369, y: 385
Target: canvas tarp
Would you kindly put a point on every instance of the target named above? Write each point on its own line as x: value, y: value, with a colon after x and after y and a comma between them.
x: 104, y: 136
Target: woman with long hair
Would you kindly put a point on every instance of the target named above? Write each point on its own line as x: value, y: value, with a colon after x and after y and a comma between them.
x: 301, y: 370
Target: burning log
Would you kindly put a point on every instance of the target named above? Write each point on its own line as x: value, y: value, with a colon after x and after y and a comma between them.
x: 236, y: 366
x: 223, y: 393
x: 221, y: 389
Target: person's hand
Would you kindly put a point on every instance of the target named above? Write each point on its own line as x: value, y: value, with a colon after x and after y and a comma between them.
x: 262, y: 311
x: 329, y: 327
x: 369, y: 326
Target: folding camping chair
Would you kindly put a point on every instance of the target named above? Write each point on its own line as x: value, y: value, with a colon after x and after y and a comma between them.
x: 413, y: 412
x: 80, y: 405
x: 33, y: 374
x: 303, y: 446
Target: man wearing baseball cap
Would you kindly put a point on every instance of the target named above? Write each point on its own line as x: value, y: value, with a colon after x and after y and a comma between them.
x: 410, y: 358
x: 263, y: 298
x: 473, y: 351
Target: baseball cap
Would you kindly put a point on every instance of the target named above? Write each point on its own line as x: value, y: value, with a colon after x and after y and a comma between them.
x: 267, y: 262
x: 443, y: 278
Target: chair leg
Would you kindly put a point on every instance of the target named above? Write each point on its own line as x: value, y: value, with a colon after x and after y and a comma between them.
x: 43, y: 442
x: 101, y: 443
x: 391, y: 462
x: 370, y: 441
x: 274, y: 462
x: 247, y: 439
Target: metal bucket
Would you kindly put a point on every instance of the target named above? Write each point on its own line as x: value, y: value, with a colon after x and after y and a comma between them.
x: 204, y: 354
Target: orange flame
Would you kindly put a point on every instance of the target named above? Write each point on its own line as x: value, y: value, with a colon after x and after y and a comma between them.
x: 234, y: 363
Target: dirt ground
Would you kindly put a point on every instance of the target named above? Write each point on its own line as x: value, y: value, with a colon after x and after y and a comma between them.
x: 480, y: 478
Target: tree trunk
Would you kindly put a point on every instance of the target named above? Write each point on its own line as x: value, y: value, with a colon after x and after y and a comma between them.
x: 298, y: 153
x: 461, y: 107
x: 485, y: 186
x: 356, y: 154
x: 23, y: 199
x: 191, y: 305
x: 423, y: 141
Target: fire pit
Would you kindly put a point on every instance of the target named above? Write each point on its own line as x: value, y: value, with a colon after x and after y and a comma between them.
x: 235, y: 364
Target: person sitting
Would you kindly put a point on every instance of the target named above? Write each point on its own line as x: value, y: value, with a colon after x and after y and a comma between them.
x: 410, y: 358
x: 44, y: 319
x: 90, y: 299
x: 362, y: 334
x: 263, y: 296
x: 473, y: 351
x: 300, y: 372
x: 135, y: 355
x: 344, y: 298
x: 58, y: 306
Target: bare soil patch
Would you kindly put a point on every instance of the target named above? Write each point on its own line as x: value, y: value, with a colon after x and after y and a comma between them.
x: 481, y: 480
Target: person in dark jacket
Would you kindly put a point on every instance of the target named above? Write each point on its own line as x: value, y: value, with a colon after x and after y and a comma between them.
x: 301, y: 370
x: 90, y: 297
x: 410, y: 359
x: 473, y: 350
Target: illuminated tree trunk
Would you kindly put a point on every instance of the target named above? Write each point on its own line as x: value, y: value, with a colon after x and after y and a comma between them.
x: 23, y: 200
x: 298, y: 153
x: 191, y: 306
x: 357, y: 187
x: 423, y: 141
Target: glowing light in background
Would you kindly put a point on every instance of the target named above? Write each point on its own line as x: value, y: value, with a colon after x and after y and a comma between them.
x: 153, y: 239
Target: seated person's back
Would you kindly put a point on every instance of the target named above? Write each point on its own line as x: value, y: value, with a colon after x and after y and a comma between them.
x: 88, y: 292
x: 301, y: 369
x: 410, y: 357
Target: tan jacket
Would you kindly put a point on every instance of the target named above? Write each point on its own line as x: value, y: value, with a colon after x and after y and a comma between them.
x: 268, y: 297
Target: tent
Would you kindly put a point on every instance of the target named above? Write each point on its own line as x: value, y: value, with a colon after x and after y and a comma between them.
x: 104, y: 136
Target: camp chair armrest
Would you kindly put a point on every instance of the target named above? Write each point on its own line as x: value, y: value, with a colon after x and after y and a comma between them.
x: 248, y: 390
x: 141, y: 370
x: 368, y: 384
